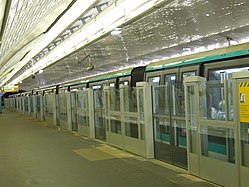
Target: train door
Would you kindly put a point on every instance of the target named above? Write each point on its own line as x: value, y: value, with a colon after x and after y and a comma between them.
x: 73, y: 111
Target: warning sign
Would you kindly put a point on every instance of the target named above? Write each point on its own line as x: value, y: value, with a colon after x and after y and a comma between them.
x: 244, y: 101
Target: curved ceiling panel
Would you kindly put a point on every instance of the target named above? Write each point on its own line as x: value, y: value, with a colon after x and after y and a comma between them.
x: 176, y: 28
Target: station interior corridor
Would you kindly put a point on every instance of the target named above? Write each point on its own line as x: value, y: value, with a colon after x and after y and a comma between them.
x: 34, y: 153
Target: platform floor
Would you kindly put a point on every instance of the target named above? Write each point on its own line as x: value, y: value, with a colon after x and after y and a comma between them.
x: 34, y: 153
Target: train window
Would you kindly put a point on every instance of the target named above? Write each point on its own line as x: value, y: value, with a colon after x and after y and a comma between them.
x: 96, y: 87
x: 171, y: 78
x: 220, y: 93
x: 126, y: 83
x: 112, y: 84
x: 224, y: 74
x: 155, y: 81
x: 189, y: 73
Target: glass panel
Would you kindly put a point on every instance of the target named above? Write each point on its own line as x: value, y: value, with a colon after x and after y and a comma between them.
x: 224, y: 74
x: 162, y: 139
x: 155, y: 81
x: 73, y: 111
x: 106, y: 99
x: 82, y: 100
x: 115, y: 122
x: 178, y: 101
x: 31, y: 104
x: 219, y: 100
x: 98, y: 99
x: 218, y: 143
x: 162, y: 130
x: 161, y: 104
x: 192, y: 122
x: 83, y: 119
x: 100, y: 130
x: 21, y: 103
x: 126, y: 83
x: 26, y: 104
x: 82, y: 108
x: 170, y: 79
x: 99, y: 115
x: 180, y: 139
x: 229, y: 99
x: 48, y: 104
x: 112, y: 85
x: 131, y: 127
x: 244, y: 140
x: 141, y: 113
x: 130, y: 99
x: 187, y: 74
x: 114, y: 99
x: 63, y: 106
x: 38, y: 103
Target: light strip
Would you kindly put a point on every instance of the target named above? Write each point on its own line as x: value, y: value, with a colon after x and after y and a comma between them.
x: 107, y: 21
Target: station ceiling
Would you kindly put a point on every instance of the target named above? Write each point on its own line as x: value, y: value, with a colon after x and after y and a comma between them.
x: 167, y: 29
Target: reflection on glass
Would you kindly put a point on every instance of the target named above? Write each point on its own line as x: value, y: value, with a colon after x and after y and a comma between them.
x: 131, y: 127
x: 192, y: 122
x: 31, y: 104
x: 114, y: 99
x: 82, y: 108
x: 26, y: 109
x: 220, y: 83
x: 161, y: 101
x: 130, y: 99
x: 162, y: 130
x: 219, y: 99
x: 187, y: 74
x: 244, y: 135
x: 98, y: 99
x: 218, y: 143
x: 115, y: 124
x: 155, y: 81
x: 21, y: 104
x: 48, y: 103
x: 38, y: 103
x: 100, y: 125
x: 63, y: 106
x: 179, y: 130
x: 112, y: 85
x: 126, y: 83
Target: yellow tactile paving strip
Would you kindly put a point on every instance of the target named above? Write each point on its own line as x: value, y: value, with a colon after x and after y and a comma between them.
x: 102, y: 152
